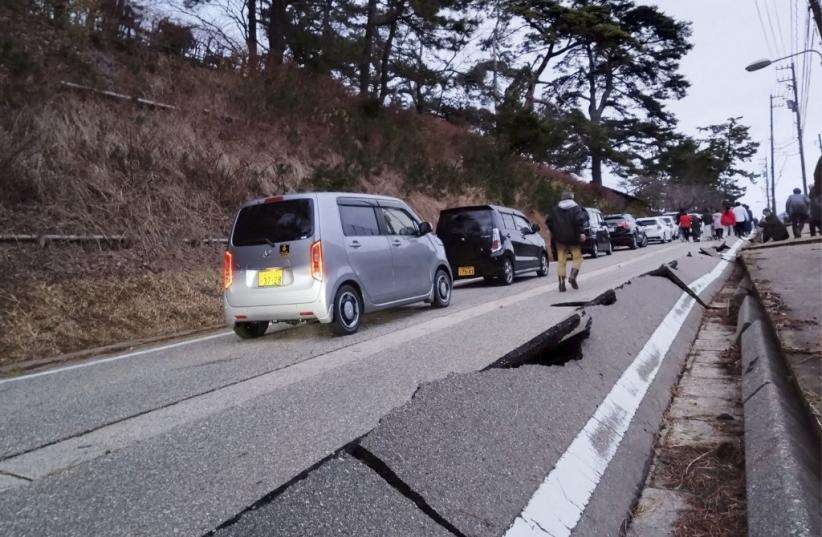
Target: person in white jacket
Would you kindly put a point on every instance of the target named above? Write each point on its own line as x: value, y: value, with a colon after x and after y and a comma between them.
x: 741, y: 216
x: 716, y: 225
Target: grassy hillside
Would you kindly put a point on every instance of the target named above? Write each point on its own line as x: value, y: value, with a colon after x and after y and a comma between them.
x: 75, y: 161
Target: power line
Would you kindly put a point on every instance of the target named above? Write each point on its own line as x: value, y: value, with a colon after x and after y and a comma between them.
x: 771, y: 49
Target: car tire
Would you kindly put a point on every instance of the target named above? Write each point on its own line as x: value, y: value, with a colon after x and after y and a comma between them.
x: 507, y: 276
x: 347, y: 311
x: 610, y: 249
x: 442, y: 289
x: 543, y: 265
x: 595, y: 250
x: 645, y: 241
x: 634, y: 245
x: 251, y: 329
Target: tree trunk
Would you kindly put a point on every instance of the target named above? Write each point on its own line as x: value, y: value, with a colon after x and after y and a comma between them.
x: 386, y: 56
x: 251, y: 41
x: 368, y: 39
x: 276, y: 32
x: 596, y: 166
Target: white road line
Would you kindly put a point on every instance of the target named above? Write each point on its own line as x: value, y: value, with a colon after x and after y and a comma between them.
x: 558, y: 503
x: 114, y: 358
x: 482, y: 308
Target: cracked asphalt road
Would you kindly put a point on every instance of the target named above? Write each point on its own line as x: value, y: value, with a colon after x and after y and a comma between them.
x: 181, y: 440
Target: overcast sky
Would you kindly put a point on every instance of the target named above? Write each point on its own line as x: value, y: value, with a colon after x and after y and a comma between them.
x: 727, y: 36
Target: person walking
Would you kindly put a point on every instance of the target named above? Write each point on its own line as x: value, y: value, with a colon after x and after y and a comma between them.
x: 772, y: 227
x: 696, y: 227
x: 684, y: 221
x: 716, y: 225
x: 798, y: 208
x: 567, y: 223
x: 815, y: 220
x: 728, y: 220
x: 749, y: 223
x: 740, y: 219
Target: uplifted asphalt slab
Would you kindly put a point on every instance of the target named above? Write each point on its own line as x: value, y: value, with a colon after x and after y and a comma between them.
x: 476, y: 446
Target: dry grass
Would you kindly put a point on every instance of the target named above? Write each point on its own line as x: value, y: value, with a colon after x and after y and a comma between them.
x: 45, y: 318
x: 715, y: 477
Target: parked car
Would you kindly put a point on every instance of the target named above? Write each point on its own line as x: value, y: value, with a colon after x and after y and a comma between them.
x: 599, y: 237
x: 492, y: 242
x: 656, y: 229
x: 328, y: 257
x: 625, y: 231
x: 670, y: 221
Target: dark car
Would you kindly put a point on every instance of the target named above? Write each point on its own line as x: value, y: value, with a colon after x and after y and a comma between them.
x: 492, y: 242
x: 625, y: 231
x: 599, y: 237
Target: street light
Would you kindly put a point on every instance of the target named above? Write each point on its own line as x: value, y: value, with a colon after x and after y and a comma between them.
x: 764, y: 62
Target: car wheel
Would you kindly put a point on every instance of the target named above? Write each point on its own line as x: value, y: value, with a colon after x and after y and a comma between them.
x: 442, y: 289
x: 507, y: 271
x: 251, y: 330
x: 633, y: 244
x: 595, y: 250
x: 543, y: 265
x: 644, y: 241
x: 610, y: 249
x: 347, y: 311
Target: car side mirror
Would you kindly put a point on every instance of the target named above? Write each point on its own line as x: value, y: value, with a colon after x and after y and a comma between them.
x: 425, y: 228
x: 535, y: 228
x: 526, y: 230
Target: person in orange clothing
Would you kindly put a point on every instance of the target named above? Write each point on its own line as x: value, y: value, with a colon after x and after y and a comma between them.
x: 685, y: 222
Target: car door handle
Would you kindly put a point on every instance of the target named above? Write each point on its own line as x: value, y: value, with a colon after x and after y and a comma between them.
x: 355, y: 244
x: 396, y: 242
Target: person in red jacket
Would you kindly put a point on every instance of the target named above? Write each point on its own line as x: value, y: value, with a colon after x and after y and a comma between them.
x: 728, y: 220
x: 684, y: 221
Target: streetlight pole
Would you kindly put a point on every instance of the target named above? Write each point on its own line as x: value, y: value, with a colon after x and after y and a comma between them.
x: 798, y: 114
x: 773, y: 175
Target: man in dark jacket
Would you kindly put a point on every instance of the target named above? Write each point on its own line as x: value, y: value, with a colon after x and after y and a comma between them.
x: 772, y: 228
x: 568, y: 222
x: 798, y: 208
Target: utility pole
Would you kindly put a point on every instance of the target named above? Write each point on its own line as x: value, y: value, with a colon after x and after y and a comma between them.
x: 817, y: 14
x: 773, y: 175
x: 767, y: 188
x: 794, y: 105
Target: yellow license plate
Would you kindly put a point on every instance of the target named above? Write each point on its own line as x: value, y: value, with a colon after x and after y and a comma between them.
x: 465, y: 271
x: 270, y: 277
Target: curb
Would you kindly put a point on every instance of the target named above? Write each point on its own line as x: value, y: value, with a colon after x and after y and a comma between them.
x: 782, y: 466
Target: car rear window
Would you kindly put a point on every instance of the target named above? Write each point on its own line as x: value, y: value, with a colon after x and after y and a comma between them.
x: 614, y: 219
x: 647, y: 222
x: 468, y: 222
x: 279, y: 221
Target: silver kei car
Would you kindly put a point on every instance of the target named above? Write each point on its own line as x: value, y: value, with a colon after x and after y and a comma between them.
x: 328, y: 257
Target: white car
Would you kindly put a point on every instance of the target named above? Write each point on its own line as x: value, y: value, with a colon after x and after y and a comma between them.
x: 672, y: 224
x: 656, y: 229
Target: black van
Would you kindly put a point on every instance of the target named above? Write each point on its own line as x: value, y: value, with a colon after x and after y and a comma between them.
x: 492, y: 242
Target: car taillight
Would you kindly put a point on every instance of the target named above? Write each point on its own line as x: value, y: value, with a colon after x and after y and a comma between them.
x: 316, y: 254
x: 496, y: 243
x: 228, y: 269
x: 625, y: 225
